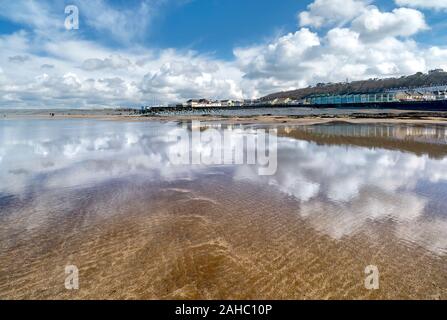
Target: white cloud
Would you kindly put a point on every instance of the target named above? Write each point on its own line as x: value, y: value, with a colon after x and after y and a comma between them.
x: 125, y: 25
x: 36, y: 14
x: 279, y: 56
x: 341, y: 54
x: 324, y: 12
x: 359, y: 41
x: 86, y: 74
x: 374, y: 24
x: 437, y: 57
x: 423, y: 4
x: 191, y: 76
x: 371, y: 44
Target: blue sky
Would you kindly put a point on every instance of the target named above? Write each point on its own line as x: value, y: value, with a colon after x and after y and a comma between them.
x: 217, y: 26
x: 214, y: 26
x: 129, y: 52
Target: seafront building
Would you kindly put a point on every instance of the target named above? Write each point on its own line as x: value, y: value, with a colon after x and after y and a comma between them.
x: 205, y: 103
x: 419, y: 94
x: 434, y: 93
x: 350, y: 98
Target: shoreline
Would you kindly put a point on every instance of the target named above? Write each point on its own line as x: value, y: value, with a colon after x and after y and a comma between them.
x: 396, y: 117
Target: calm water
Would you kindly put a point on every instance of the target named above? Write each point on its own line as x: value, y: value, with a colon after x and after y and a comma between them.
x: 104, y: 196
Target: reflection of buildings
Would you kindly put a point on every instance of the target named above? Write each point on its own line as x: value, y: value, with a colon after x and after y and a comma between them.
x: 430, y: 140
x: 438, y: 133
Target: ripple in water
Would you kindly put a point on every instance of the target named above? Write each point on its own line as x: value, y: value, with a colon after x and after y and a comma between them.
x: 104, y: 197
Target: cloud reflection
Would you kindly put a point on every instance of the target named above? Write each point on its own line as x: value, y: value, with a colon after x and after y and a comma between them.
x: 338, y: 189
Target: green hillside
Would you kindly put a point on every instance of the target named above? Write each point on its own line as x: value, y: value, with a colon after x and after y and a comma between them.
x: 434, y: 78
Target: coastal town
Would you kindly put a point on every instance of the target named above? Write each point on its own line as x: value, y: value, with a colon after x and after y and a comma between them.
x: 425, y: 89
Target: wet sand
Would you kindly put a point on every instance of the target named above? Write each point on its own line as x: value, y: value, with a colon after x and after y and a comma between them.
x: 199, y: 240
x: 216, y: 234
x: 357, y: 116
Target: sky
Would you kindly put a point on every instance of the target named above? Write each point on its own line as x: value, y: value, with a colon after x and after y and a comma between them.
x: 128, y: 53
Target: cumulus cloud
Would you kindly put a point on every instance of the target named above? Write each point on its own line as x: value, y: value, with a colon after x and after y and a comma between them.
x: 342, y: 53
x: 437, y: 56
x: 374, y: 24
x: 279, y: 56
x: 424, y: 4
x: 89, y: 75
x: 324, y: 12
x: 338, y: 39
x: 370, y: 44
x: 190, y: 76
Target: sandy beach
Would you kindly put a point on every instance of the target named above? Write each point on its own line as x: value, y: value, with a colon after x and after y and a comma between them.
x: 103, y: 196
x: 357, y: 116
x: 201, y: 240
